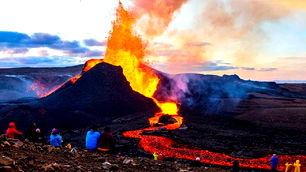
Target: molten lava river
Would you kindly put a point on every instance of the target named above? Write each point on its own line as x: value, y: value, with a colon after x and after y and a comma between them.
x: 125, y: 49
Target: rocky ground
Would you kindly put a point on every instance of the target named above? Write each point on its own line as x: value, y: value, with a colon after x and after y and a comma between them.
x: 26, y: 156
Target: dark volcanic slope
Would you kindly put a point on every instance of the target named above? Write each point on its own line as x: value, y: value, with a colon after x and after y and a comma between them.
x: 100, y: 94
x: 20, y: 83
x: 103, y: 88
x: 299, y: 88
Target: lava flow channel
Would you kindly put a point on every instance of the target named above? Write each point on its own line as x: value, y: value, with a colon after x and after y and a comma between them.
x: 125, y: 49
x: 171, y: 149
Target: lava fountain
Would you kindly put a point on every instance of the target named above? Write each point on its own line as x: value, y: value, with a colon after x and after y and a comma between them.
x: 125, y: 49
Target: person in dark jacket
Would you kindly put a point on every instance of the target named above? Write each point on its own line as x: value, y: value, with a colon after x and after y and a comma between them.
x: 31, y: 133
x: 55, y: 138
x: 92, y: 138
x: 12, y: 131
x: 196, y: 163
x: 236, y: 167
x: 274, y: 162
x: 40, y: 136
x: 106, y: 141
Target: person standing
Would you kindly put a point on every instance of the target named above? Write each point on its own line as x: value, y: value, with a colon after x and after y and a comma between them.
x: 274, y: 162
x: 236, y: 166
x: 92, y: 138
x: 297, y: 166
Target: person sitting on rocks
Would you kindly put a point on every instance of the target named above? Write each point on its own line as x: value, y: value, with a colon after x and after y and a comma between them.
x: 106, y: 141
x: 11, y: 131
x: 31, y: 133
x: 40, y: 136
x: 55, y: 138
x: 92, y: 138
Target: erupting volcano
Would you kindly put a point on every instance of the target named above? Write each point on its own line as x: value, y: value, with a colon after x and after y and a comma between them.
x: 126, y: 49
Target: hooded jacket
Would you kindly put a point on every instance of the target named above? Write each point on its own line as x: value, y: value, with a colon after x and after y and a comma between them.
x: 92, y: 138
x: 55, y: 140
x: 274, y: 161
x: 11, y: 131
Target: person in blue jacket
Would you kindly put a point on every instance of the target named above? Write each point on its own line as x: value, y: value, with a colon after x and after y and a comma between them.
x: 274, y: 162
x: 55, y: 138
x: 92, y: 138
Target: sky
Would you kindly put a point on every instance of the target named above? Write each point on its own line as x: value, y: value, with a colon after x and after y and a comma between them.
x: 256, y: 39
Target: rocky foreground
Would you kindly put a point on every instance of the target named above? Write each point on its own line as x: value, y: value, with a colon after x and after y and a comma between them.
x: 16, y: 155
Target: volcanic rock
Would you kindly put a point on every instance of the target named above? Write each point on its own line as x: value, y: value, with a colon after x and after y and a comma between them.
x: 167, y: 119
x: 24, y: 83
x: 6, y: 161
x: 100, y: 94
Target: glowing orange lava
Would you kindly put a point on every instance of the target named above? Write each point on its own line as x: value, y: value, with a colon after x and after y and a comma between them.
x: 91, y: 63
x: 125, y: 49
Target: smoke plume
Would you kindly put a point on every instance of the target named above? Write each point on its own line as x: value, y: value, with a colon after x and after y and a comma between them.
x: 231, y: 30
x: 155, y: 15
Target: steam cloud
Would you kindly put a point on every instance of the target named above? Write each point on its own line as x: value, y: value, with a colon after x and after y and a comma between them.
x: 232, y: 28
x: 156, y: 13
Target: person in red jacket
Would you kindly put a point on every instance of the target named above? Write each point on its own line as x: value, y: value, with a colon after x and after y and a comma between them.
x: 11, y: 131
x: 106, y: 141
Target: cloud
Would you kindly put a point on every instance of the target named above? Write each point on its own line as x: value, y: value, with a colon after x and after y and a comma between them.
x: 93, y: 42
x: 14, y: 50
x: 170, y: 53
x: 292, y: 4
x: 154, y: 16
x: 20, y: 43
x: 12, y: 38
x: 248, y: 68
x: 294, y: 58
x: 267, y: 69
x: 41, y: 61
x: 196, y: 67
x: 211, y: 66
x: 198, y: 44
x: 233, y: 30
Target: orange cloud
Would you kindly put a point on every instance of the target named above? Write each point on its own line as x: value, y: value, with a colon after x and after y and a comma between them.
x: 230, y: 31
x: 232, y: 28
x: 293, y: 4
x: 155, y: 15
